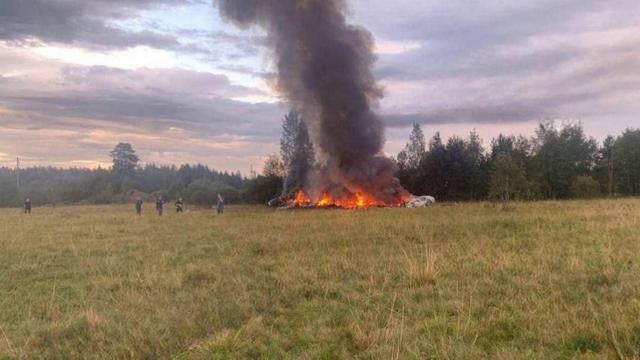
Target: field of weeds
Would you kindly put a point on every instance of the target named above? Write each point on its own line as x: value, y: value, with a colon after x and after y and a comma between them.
x: 548, y: 280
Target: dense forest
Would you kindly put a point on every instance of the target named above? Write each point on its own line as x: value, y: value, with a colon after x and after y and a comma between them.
x: 196, y: 184
x: 556, y: 163
x: 559, y: 162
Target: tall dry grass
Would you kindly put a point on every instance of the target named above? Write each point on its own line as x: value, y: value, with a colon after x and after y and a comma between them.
x: 548, y: 280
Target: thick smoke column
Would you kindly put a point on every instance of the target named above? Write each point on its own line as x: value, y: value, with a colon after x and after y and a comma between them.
x: 324, y: 71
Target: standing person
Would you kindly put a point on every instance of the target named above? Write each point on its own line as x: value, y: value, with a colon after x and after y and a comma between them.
x: 159, y: 205
x: 220, y: 206
x: 179, y: 205
x: 139, y: 206
x: 27, y: 206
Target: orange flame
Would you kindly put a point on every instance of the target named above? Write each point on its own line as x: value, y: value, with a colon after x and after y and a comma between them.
x: 301, y: 199
x: 354, y: 201
x: 325, y: 200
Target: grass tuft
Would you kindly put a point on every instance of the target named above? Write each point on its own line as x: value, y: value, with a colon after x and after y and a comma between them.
x: 421, y: 270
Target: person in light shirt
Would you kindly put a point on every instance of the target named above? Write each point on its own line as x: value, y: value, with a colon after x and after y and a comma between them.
x: 27, y: 206
x: 220, y: 206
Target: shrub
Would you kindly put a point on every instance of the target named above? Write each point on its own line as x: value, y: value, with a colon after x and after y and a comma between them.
x: 262, y: 189
x: 585, y: 187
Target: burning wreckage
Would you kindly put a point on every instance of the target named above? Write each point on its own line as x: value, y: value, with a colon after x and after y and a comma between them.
x: 357, y: 201
x: 323, y: 67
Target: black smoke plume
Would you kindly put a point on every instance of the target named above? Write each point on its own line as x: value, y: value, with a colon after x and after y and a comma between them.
x: 324, y: 71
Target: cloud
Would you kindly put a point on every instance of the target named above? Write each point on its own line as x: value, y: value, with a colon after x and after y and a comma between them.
x: 493, y: 62
x: 87, y: 24
x: 148, y: 107
x: 61, y: 114
x: 451, y: 65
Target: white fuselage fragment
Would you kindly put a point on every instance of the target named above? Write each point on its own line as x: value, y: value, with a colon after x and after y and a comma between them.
x: 421, y: 201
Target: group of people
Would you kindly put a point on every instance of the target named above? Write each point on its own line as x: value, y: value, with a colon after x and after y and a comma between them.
x: 179, y: 205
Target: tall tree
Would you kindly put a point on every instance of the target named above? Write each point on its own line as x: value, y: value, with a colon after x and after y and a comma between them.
x: 125, y: 160
x: 627, y: 159
x: 519, y: 148
x: 409, y: 160
x: 477, y: 174
x: 290, y: 128
x: 296, y: 151
x: 561, y: 155
x: 604, y: 170
x: 507, y: 179
x: 455, y: 171
x: 433, y: 169
x: 415, y: 149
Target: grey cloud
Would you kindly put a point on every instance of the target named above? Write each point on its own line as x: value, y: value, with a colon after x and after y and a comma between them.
x: 241, y: 47
x: 488, y: 62
x: 254, y: 40
x: 160, y: 81
x: 493, y: 62
x: 150, y: 99
x: 418, y: 64
x: 462, y: 37
x: 247, y: 70
x: 150, y: 113
x: 598, y: 87
x: 549, y: 107
x: 466, y: 26
x: 470, y: 114
x: 220, y: 45
x: 88, y: 23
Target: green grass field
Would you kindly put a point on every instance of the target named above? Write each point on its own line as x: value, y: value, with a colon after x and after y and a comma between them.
x: 548, y: 280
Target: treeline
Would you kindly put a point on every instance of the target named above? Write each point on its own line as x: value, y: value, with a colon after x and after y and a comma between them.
x: 556, y: 163
x: 196, y: 184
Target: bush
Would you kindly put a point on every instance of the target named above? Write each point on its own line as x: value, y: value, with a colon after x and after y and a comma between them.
x: 262, y: 189
x: 585, y: 187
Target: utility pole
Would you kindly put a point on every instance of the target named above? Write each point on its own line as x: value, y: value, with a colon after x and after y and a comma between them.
x: 18, y: 173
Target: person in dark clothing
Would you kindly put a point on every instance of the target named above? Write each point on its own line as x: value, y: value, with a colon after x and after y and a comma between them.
x: 159, y: 205
x: 220, y: 206
x: 179, y: 205
x: 139, y: 206
x: 27, y: 206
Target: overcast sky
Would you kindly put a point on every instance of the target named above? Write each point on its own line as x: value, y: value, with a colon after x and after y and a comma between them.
x: 183, y: 86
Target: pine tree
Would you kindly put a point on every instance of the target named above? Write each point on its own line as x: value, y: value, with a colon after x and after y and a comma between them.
x: 296, y: 151
x: 415, y: 148
x: 626, y: 154
x: 125, y: 161
x: 604, y: 171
